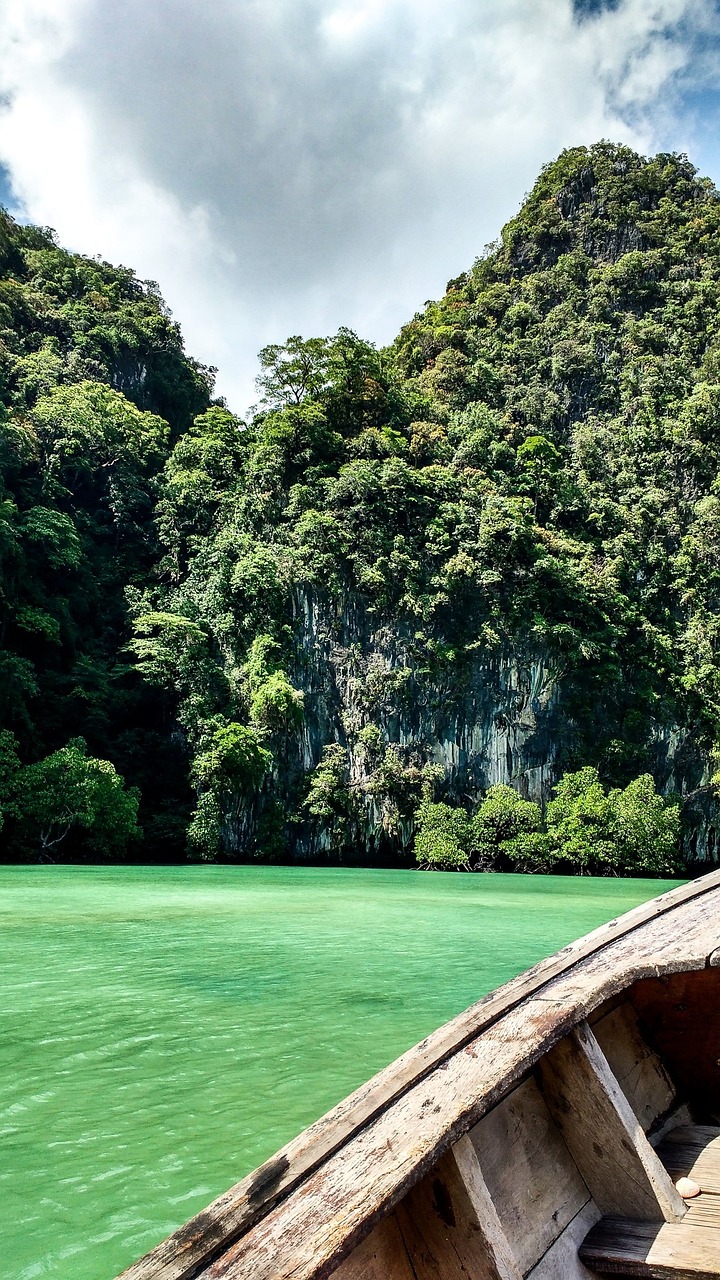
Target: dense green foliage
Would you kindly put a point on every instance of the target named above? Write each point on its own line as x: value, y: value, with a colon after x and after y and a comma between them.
x: 586, y: 830
x: 532, y: 468
x: 94, y: 387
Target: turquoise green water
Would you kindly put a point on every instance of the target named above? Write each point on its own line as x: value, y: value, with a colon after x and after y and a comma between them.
x: 165, y: 1030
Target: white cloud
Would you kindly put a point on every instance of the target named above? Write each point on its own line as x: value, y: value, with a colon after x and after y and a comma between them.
x: 285, y: 166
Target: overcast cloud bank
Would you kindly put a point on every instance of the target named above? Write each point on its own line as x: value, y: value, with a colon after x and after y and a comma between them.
x: 288, y: 166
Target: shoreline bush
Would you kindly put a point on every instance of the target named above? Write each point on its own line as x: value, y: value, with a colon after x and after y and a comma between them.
x: 586, y: 830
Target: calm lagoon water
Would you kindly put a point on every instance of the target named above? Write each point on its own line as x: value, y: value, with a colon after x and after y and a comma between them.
x: 164, y: 1030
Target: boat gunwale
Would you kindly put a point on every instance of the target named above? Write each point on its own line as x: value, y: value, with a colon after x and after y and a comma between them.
x: 210, y: 1233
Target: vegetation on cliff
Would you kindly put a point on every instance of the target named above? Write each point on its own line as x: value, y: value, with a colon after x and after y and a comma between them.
x: 530, y: 469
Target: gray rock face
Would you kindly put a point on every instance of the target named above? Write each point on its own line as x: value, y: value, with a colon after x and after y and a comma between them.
x: 497, y: 719
x: 397, y: 708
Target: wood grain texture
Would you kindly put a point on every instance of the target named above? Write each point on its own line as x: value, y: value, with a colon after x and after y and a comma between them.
x: 693, y: 1151
x: 673, y: 1251
x: 185, y: 1253
x: 562, y: 1261
x: 603, y: 1134
x: 529, y: 1172
x: 336, y: 1206
x: 444, y: 1234
x: 636, y: 1067
x: 680, y: 1116
x: 381, y: 1256
x: 693, y: 1250
x: 498, y: 1246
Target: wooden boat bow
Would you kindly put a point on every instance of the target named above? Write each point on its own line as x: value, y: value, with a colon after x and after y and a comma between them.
x: 494, y: 1147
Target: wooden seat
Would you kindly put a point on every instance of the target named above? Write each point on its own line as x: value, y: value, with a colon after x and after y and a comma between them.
x: 693, y: 1151
x: 663, y: 1251
x: 686, y: 1250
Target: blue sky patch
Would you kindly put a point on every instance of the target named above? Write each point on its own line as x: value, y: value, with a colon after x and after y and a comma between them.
x: 7, y: 199
x: 591, y: 8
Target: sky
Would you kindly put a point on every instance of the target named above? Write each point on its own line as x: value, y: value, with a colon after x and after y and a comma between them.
x: 290, y: 166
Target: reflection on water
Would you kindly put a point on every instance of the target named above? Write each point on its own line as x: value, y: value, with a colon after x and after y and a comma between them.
x: 164, y: 1030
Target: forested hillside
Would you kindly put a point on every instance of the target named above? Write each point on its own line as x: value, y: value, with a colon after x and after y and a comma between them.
x: 94, y: 388
x: 419, y: 589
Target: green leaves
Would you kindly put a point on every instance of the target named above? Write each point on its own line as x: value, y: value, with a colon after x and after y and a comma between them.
x: 646, y: 828
x: 233, y: 762
x: 580, y: 823
x: 328, y: 796
x: 167, y: 647
x: 54, y: 533
x: 623, y: 832
x: 88, y: 428
x: 276, y: 705
x: 69, y: 793
x: 293, y: 370
x: 586, y: 830
x: 501, y: 824
x: 442, y: 837
x: 227, y: 774
x: 9, y: 769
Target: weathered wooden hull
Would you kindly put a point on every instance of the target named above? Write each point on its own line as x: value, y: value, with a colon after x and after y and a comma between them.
x: 532, y: 1136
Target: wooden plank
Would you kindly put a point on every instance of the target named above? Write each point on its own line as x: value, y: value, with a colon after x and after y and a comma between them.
x: 624, y: 1174
x: 336, y: 1206
x: 636, y: 1067
x: 677, y: 1118
x: 704, y: 1211
x: 182, y: 1254
x: 695, y: 1137
x: 562, y: 1261
x: 446, y: 1229
x: 675, y: 1012
x: 529, y: 1171
x: 671, y: 1251
x: 607, y: 1008
x: 693, y: 1151
x: 381, y: 1256
x: 468, y: 1165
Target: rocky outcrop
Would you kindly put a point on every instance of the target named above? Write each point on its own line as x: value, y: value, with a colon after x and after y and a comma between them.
x: 494, y: 719
x: 499, y: 718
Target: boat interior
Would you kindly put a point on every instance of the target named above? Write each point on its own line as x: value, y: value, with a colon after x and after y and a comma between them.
x: 572, y: 1174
